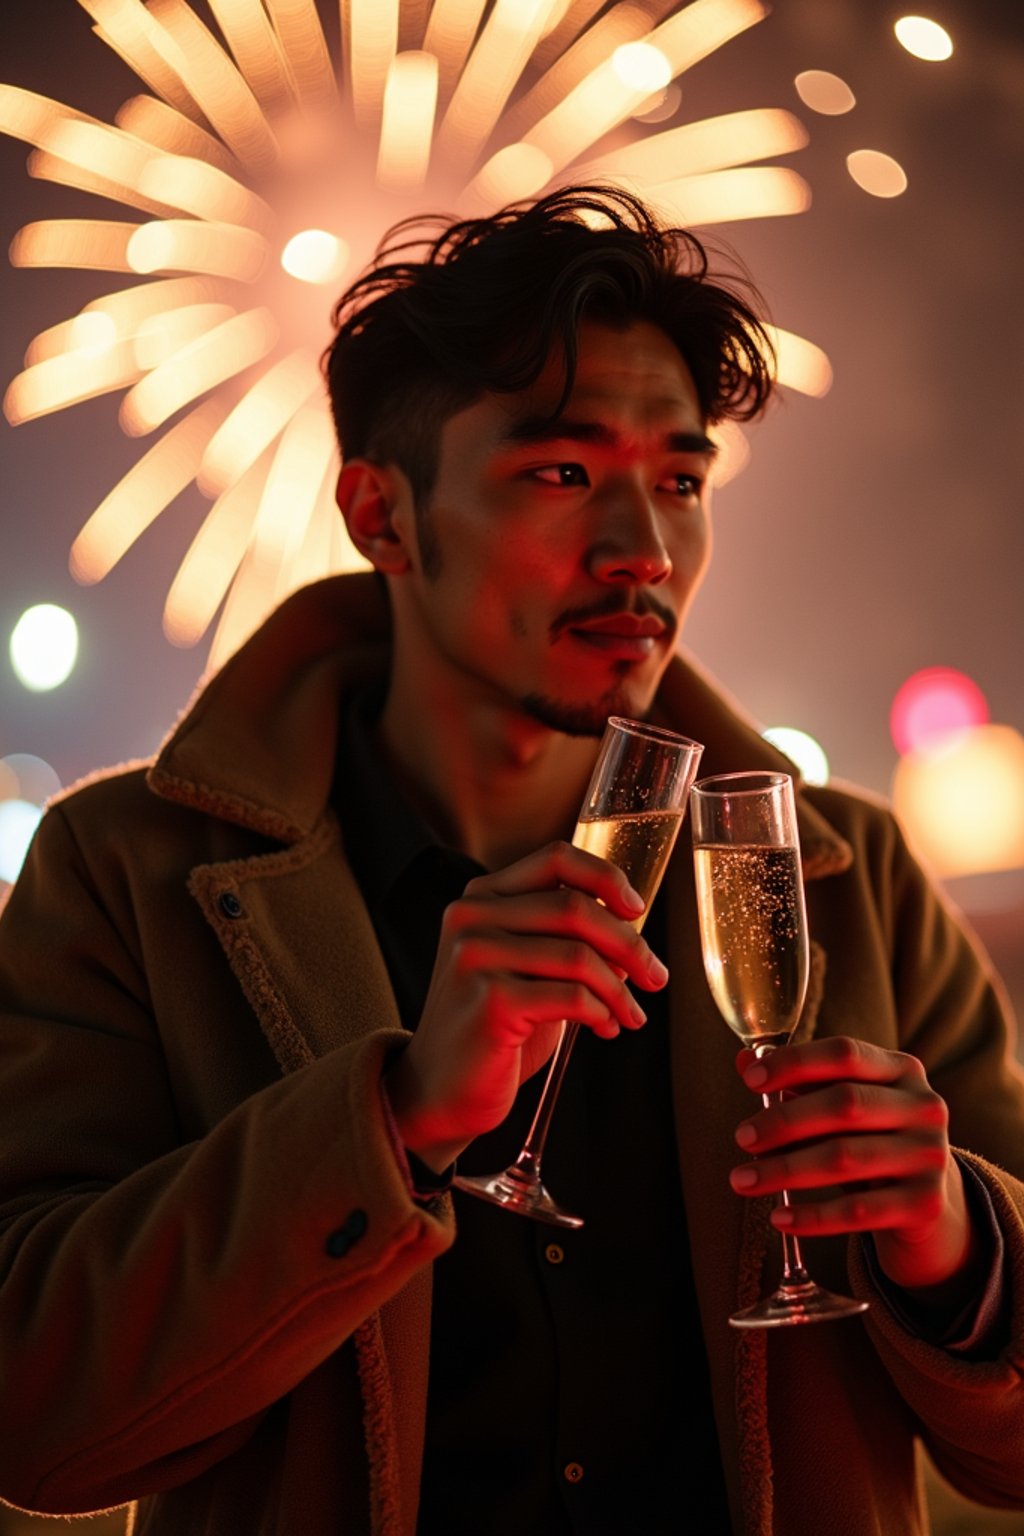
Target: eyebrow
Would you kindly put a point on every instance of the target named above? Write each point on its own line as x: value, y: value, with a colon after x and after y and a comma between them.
x: 542, y: 429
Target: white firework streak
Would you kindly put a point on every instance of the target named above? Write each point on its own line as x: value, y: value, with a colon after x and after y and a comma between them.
x: 262, y: 171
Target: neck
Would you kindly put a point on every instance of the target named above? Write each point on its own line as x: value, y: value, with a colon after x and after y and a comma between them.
x: 490, y: 781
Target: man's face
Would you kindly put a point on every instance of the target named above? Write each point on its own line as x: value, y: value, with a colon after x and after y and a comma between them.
x: 556, y: 564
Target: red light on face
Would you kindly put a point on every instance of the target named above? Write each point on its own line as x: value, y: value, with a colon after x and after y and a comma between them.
x: 933, y: 705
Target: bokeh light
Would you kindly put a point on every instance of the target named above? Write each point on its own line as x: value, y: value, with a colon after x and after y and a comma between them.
x: 23, y: 776
x: 932, y: 705
x: 923, y: 38
x: 963, y: 806
x: 642, y: 66
x: 44, y: 647
x: 661, y: 106
x: 18, y: 822
x: 314, y: 256
x: 801, y: 749
x: 824, y: 92
x: 877, y: 173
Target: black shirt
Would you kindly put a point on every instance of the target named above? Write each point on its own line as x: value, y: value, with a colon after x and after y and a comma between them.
x: 568, y: 1378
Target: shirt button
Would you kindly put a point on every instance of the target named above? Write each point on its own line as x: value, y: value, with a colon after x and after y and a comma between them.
x: 572, y: 1472
x: 554, y: 1254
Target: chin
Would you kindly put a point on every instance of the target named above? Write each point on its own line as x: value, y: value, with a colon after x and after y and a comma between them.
x: 588, y: 718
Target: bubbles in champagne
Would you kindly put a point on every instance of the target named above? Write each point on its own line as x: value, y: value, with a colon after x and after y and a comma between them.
x: 754, y: 935
x: 639, y: 844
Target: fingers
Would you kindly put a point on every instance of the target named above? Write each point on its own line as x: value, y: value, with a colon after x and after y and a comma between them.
x: 841, y: 1160
x: 854, y: 1115
x: 844, y: 1109
x: 570, y: 914
x: 560, y: 864
x: 572, y: 962
x: 821, y: 1061
x: 915, y: 1203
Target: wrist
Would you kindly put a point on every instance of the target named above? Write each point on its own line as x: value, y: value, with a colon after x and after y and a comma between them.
x: 941, y: 1268
x: 421, y: 1132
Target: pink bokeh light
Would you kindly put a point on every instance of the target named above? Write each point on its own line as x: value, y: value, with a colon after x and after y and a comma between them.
x: 932, y: 705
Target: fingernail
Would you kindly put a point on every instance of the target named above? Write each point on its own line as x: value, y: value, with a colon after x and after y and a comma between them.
x: 633, y: 901
x: 743, y: 1178
x: 638, y: 1013
x: 782, y: 1216
x: 754, y: 1077
x: 656, y: 971
x: 746, y: 1135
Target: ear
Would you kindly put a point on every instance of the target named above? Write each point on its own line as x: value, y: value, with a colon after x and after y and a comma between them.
x: 371, y: 499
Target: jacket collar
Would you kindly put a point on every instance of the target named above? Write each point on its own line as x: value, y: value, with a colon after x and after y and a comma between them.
x: 257, y: 743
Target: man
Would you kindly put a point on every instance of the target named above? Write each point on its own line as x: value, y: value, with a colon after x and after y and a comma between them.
x: 234, y: 1289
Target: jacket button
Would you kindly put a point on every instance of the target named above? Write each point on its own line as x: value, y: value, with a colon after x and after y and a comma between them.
x: 230, y: 904
x: 572, y: 1472
x: 554, y: 1254
x: 343, y: 1239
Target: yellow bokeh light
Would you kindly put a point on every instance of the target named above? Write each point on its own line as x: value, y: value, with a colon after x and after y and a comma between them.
x: 661, y: 106
x: 714, y: 144
x: 517, y: 171
x: 923, y: 38
x: 200, y: 365
x: 800, y: 364
x: 802, y: 749
x: 877, y: 173
x: 963, y: 807
x: 314, y: 256
x: 44, y: 647
x: 68, y: 379
x: 757, y: 192
x: 254, y: 423
x: 190, y: 245
x: 824, y: 92
x: 642, y: 67
x: 410, y: 101
x: 142, y: 494
x: 509, y: 36
x: 93, y: 333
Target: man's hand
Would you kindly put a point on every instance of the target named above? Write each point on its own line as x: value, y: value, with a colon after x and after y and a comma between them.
x: 549, y: 938
x: 867, y: 1120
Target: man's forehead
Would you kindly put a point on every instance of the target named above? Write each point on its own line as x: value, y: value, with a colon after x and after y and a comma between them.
x: 636, y: 365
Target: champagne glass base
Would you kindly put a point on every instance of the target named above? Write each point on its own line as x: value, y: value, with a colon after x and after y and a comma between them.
x: 515, y: 1191
x: 793, y: 1304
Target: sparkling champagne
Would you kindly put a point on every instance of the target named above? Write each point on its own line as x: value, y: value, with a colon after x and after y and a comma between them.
x: 754, y: 936
x: 639, y: 844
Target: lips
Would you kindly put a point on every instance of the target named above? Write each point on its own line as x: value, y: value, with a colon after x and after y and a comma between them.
x: 624, y: 626
x: 628, y: 636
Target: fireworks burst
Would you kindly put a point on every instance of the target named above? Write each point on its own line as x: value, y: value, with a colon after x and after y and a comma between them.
x: 263, y: 169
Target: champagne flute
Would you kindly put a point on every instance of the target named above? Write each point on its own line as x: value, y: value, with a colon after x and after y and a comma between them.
x: 753, y: 930
x: 631, y: 815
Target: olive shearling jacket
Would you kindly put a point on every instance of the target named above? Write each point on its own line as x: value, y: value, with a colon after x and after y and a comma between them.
x: 214, y: 1282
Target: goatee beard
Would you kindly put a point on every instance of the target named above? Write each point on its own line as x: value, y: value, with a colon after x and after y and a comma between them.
x: 576, y: 719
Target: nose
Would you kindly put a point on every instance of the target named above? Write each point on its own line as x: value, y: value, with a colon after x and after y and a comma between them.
x: 628, y: 547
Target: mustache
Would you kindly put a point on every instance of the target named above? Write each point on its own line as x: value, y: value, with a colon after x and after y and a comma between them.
x: 610, y: 606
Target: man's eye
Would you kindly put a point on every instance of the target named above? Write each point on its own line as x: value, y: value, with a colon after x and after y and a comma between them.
x: 561, y: 474
x: 682, y: 485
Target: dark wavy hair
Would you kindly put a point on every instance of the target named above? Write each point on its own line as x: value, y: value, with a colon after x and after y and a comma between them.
x: 489, y: 300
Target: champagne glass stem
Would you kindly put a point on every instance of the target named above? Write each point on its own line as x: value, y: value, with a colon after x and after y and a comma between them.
x: 793, y: 1271
x: 528, y: 1161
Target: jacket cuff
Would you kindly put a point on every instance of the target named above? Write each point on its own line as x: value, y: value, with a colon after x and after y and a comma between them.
x: 979, y: 1329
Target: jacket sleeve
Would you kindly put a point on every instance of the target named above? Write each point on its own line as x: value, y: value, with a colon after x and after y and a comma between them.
x: 954, y: 1016
x: 156, y: 1298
